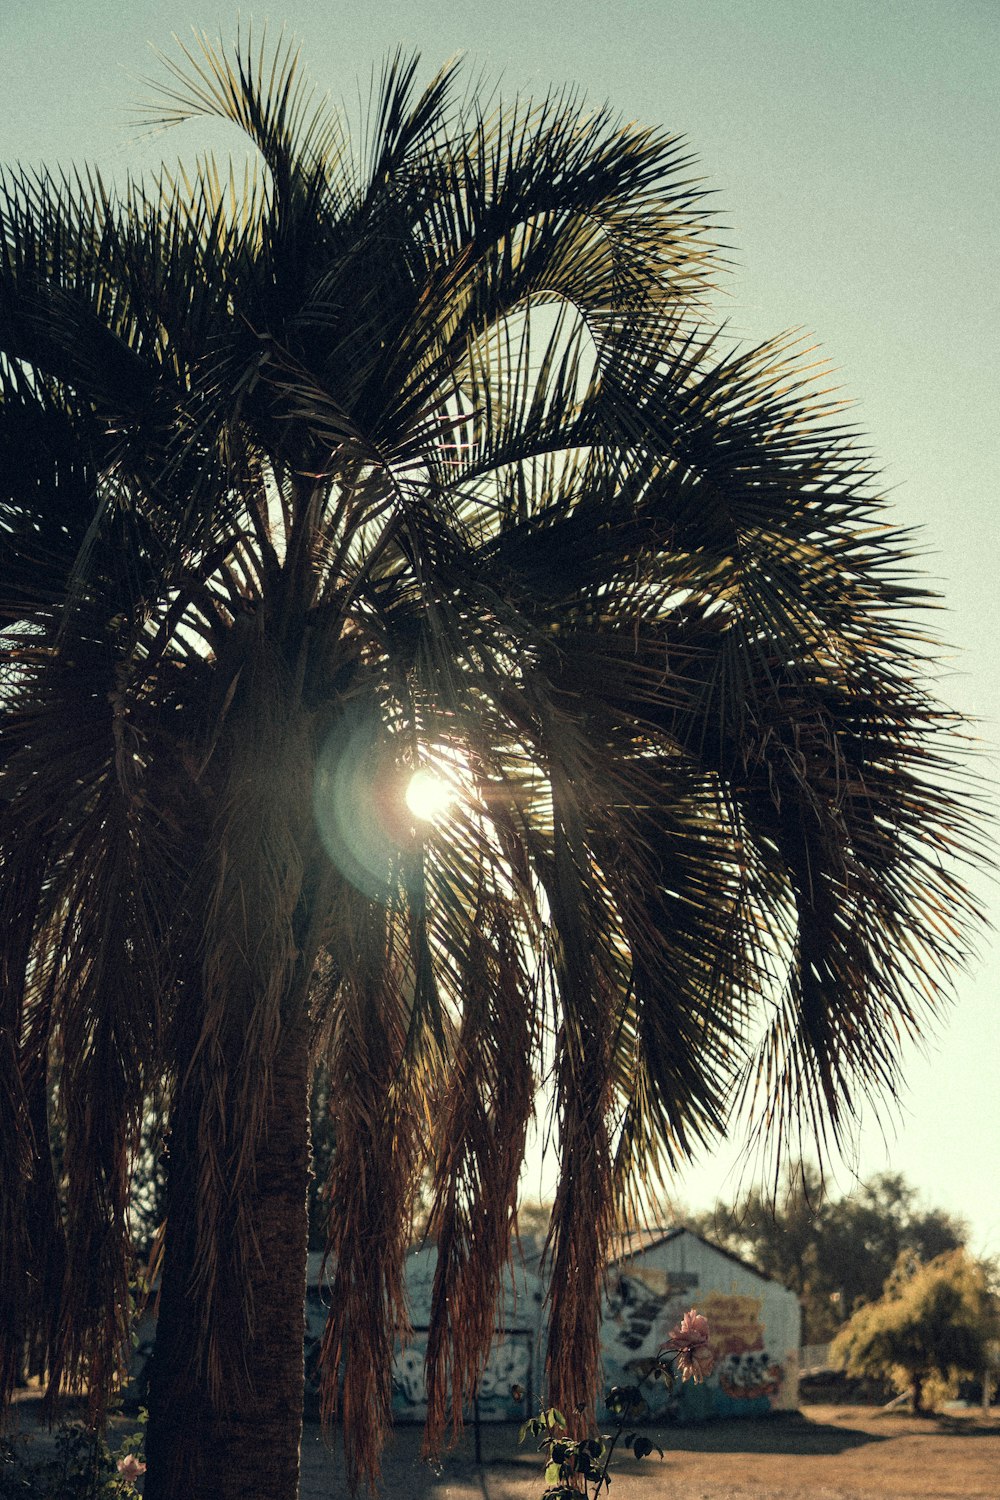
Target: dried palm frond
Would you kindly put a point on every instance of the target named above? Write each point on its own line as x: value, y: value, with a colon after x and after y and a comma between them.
x: 378, y: 1128
x: 479, y: 1142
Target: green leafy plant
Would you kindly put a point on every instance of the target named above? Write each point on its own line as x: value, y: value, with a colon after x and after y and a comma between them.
x: 83, y: 1467
x: 583, y: 1464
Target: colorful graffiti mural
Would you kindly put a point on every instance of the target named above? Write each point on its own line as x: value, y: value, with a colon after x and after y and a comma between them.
x: 736, y: 1323
x: 639, y: 1312
x: 754, y: 1327
x: 642, y: 1307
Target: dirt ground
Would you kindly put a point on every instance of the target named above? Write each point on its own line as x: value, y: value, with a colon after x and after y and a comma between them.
x: 821, y: 1453
x: 824, y: 1453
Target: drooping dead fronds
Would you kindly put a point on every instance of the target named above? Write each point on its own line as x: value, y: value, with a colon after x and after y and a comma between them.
x: 18, y: 1150
x: 378, y: 1129
x: 584, y: 1211
x: 479, y: 1140
x: 83, y: 982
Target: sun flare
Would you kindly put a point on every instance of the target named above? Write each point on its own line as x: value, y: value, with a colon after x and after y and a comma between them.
x: 427, y: 796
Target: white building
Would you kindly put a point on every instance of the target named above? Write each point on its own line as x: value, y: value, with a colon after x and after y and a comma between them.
x: 754, y: 1326
x: 513, y: 1360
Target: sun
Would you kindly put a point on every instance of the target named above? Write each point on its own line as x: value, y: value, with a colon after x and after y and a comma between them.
x: 427, y: 796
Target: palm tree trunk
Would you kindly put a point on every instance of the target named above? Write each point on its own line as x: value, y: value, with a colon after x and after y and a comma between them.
x: 247, y: 1444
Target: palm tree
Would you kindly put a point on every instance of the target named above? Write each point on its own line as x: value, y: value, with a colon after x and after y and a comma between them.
x: 411, y: 450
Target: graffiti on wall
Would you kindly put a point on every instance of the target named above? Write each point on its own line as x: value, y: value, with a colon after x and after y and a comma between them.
x: 641, y: 1309
x: 510, y: 1361
x: 745, y: 1370
x: 639, y: 1312
x: 745, y: 1377
x: 736, y: 1322
x: 509, y: 1364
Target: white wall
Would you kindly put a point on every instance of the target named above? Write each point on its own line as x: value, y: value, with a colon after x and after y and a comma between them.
x: 754, y: 1326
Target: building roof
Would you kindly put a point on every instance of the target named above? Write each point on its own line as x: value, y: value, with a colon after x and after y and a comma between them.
x: 631, y: 1244
x: 635, y: 1242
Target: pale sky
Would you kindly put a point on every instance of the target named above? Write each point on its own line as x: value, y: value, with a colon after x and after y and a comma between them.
x: 853, y: 148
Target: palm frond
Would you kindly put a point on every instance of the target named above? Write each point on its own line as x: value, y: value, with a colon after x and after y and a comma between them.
x: 479, y: 1130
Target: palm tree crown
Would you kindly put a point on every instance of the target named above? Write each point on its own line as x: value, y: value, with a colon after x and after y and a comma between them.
x: 406, y: 449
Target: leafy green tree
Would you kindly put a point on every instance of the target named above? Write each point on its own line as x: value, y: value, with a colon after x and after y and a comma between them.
x: 835, y: 1253
x: 779, y: 1234
x: 934, y: 1320
x: 868, y: 1230
x: 413, y: 449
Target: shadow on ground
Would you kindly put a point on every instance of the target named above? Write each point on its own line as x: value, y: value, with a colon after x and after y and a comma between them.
x: 856, y: 1453
x: 784, y: 1432
x: 510, y: 1472
x: 949, y: 1426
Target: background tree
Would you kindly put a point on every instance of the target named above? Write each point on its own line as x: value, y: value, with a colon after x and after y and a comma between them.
x: 412, y: 449
x: 322, y: 1144
x: 835, y: 1253
x: 933, y: 1320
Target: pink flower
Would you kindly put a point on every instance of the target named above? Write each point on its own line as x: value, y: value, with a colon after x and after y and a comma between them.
x: 691, y: 1331
x: 695, y: 1364
x: 131, y: 1467
x: 688, y: 1342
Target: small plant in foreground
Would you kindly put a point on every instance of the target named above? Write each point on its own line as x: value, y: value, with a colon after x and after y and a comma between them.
x: 82, y: 1467
x: 582, y: 1465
